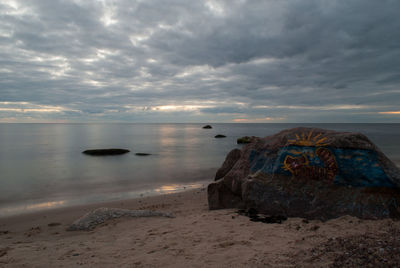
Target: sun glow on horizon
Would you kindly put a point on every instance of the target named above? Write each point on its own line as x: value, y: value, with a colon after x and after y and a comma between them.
x: 257, y: 120
x: 390, y: 112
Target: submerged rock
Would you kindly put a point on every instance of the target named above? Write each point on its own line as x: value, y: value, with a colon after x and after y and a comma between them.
x: 106, y: 151
x: 220, y: 136
x: 142, y: 154
x: 309, y: 173
x: 207, y: 127
x: 98, y: 216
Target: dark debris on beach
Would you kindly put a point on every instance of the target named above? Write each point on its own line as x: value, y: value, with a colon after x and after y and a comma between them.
x: 365, y: 250
x: 255, y: 216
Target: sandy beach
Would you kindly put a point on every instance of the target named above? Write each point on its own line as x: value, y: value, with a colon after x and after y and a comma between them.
x: 196, y: 237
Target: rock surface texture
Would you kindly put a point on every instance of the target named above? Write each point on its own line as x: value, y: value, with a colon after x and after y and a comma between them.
x: 310, y: 173
x: 100, y: 215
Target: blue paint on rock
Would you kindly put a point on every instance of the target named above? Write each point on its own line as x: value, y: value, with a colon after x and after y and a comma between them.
x: 360, y: 168
x: 261, y: 161
x: 355, y: 167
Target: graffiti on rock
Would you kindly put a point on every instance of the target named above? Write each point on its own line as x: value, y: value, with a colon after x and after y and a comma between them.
x: 318, y: 165
x: 309, y: 140
x: 310, y: 156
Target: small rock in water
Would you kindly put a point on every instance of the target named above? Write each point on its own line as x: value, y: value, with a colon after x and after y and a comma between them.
x: 207, y: 127
x: 142, y: 154
x: 105, y: 152
x: 220, y: 136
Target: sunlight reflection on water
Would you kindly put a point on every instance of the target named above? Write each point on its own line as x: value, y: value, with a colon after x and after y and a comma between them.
x: 34, y: 207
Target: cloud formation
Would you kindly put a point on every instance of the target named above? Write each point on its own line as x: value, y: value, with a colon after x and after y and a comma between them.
x: 199, y: 61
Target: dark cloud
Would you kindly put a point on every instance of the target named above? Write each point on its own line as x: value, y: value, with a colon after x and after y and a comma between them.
x: 310, y: 61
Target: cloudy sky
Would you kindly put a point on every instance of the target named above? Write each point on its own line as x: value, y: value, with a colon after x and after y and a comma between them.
x: 199, y: 61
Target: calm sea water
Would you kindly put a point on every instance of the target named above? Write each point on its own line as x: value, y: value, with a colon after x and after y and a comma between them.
x: 41, y: 165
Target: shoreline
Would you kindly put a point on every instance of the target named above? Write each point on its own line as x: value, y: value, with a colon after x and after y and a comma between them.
x: 19, y: 209
x: 196, y: 237
x: 65, y: 213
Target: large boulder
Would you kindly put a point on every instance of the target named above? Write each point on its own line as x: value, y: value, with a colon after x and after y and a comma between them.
x: 311, y: 173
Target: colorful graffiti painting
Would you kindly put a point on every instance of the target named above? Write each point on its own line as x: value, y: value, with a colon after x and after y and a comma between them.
x: 315, y: 164
x: 310, y: 156
x: 318, y: 165
x: 309, y: 140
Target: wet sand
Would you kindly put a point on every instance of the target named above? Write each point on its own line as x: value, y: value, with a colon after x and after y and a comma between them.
x: 196, y: 237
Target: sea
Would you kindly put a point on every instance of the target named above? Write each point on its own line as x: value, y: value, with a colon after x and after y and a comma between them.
x: 42, y: 165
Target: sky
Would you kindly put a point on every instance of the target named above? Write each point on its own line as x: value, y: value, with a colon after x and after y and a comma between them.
x: 238, y: 61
